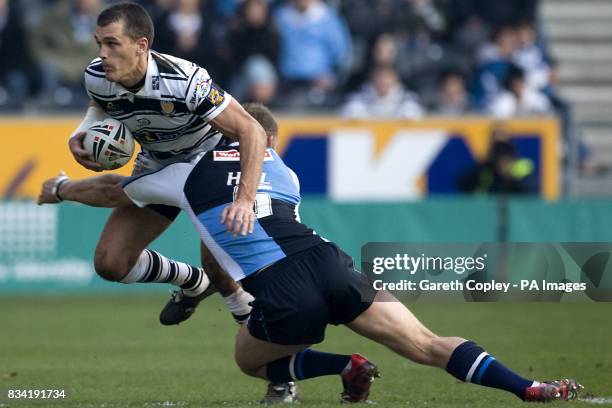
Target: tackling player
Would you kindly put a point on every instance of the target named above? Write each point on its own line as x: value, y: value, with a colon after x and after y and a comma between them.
x: 175, y: 111
x: 301, y: 282
x: 181, y: 307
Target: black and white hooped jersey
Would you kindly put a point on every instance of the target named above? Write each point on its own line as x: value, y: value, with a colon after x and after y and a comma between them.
x: 171, y: 112
x: 205, y: 186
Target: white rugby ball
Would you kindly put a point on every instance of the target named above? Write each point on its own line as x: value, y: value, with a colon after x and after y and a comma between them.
x: 110, y: 143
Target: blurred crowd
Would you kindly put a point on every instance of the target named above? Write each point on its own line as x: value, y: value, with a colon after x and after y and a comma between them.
x: 359, y: 58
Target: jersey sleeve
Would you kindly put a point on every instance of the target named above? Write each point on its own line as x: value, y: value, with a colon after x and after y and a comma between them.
x: 93, y: 76
x: 204, y: 97
x: 164, y: 186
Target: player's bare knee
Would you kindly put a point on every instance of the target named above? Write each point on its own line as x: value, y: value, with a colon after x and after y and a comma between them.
x: 108, y: 268
x: 246, y: 366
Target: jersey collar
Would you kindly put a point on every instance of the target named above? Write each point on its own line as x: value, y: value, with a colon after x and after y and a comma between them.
x: 147, y: 89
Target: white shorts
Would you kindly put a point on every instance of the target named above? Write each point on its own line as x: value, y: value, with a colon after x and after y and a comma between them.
x: 146, y: 162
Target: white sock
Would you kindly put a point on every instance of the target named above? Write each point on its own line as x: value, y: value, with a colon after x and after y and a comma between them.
x: 153, y: 267
x: 238, y: 304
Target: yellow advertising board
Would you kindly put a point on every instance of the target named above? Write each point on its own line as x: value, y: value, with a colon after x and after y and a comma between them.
x: 36, y: 148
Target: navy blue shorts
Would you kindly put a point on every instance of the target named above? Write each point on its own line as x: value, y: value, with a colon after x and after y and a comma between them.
x: 298, y: 296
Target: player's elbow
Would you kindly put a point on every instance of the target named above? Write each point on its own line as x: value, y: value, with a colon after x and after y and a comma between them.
x: 254, y: 131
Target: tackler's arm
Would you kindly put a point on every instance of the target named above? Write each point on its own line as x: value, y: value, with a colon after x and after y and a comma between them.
x: 100, y: 191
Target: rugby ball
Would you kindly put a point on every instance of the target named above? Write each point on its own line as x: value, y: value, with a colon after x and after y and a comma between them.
x: 110, y: 143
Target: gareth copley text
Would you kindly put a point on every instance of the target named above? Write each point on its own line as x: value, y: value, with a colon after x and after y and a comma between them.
x: 474, y: 285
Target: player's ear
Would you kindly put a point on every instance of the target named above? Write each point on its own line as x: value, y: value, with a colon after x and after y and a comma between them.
x: 142, y: 45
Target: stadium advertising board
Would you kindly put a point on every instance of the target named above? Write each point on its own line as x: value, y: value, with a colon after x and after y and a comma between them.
x: 345, y: 160
x: 400, y: 160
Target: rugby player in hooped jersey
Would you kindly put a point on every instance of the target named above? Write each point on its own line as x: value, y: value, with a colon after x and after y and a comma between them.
x: 301, y: 282
x: 175, y: 111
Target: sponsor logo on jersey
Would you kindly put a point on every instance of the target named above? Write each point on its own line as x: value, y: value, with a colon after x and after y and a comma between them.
x: 215, y: 96
x: 234, y: 155
x: 202, y: 88
x: 152, y: 137
x: 167, y: 107
x: 142, y: 122
x: 148, y: 137
x: 111, y: 108
x: 155, y: 82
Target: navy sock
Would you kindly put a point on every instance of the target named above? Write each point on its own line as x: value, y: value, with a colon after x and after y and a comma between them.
x: 306, y: 364
x: 470, y: 363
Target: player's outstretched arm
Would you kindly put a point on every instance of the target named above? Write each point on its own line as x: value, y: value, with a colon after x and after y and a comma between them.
x: 75, y: 143
x: 101, y: 191
x: 236, y: 123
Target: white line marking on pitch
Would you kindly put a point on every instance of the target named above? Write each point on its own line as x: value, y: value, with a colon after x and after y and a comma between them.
x: 597, y: 400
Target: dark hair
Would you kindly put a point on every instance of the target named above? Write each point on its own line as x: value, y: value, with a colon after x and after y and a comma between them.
x: 452, y: 72
x: 502, y: 29
x: 384, y: 69
x: 136, y: 21
x: 262, y: 115
x: 515, y: 73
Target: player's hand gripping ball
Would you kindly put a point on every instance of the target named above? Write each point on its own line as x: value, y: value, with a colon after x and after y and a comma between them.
x: 110, y: 143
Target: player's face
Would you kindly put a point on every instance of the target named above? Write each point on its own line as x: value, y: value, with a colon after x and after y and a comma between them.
x: 120, y: 53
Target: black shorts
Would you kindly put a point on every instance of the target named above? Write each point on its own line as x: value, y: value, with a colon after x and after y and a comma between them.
x: 298, y: 296
x: 166, y: 211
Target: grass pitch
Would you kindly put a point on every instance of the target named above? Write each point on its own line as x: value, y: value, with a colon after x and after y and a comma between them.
x: 110, y: 351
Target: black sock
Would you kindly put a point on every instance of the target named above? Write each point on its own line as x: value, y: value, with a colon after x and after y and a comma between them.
x: 306, y: 364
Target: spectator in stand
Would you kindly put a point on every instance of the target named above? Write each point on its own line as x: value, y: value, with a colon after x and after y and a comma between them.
x: 185, y: 33
x: 384, y: 52
x: 531, y: 57
x: 157, y: 8
x: 490, y: 13
x: 421, y: 17
x: 519, y: 99
x: 470, y: 21
x: 421, y: 23
x: 256, y: 82
x: 367, y: 19
x: 224, y: 9
x: 452, y: 98
x: 383, y: 97
x: 182, y: 30
x: 63, y: 45
x: 312, y: 32
x: 495, y: 62
x: 16, y: 69
x: 254, y: 34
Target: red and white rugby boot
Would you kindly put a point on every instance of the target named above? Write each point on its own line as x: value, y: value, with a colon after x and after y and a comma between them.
x: 560, y: 390
x: 357, y: 378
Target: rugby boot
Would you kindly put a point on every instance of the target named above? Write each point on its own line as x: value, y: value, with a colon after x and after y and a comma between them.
x: 180, y: 307
x: 560, y: 390
x: 281, y: 393
x: 357, y: 378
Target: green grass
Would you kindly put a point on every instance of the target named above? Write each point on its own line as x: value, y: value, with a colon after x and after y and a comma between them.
x: 110, y: 351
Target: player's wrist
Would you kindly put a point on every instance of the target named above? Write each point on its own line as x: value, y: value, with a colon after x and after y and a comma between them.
x: 56, y: 188
x: 244, y: 201
x: 244, y: 195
